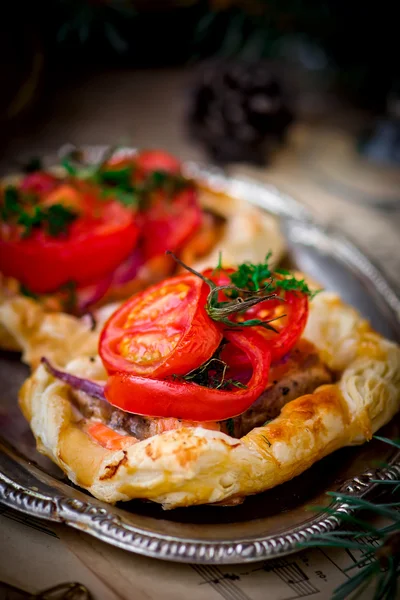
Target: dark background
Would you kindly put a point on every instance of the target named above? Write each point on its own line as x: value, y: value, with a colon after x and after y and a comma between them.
x: 346, y: 50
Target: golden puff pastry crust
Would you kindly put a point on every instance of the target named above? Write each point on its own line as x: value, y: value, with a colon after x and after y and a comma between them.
x: 192, y: 466
x: 248, y: 233
x: 25, y: 325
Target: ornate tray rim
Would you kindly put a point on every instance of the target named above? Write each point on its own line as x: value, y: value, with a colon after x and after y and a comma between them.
x: 107, y: 527
x: 110, y: 528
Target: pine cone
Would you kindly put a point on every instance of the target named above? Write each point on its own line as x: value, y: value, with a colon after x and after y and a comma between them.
x: 236, y: 109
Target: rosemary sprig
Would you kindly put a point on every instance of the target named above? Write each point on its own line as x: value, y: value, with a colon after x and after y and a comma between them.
x: 379, y: 564
x: 212, y: 373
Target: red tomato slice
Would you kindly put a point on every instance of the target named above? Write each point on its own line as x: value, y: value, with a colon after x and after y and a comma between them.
x: 162, y: 331
x: 94, y: 245
x: 169, y: 223
x: 294, y: 306
x: 149, y: 161
x: 219, y: 277
x: 289, y: 328
x: 161, y: 398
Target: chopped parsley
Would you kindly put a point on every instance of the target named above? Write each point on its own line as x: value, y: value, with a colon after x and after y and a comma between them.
x: 10, y: 205
x: 259, y: 277
x: 58, y: 218
x: 17, y: 208
x: 118, y: 183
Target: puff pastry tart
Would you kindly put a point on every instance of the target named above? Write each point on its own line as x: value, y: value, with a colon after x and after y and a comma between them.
x: 205, y: 388
x: 76, y: 237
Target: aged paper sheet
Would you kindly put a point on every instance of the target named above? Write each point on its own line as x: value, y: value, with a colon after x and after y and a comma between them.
x: 37, y: 555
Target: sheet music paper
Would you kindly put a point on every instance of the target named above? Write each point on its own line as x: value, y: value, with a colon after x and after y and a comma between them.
x: 36, y: 555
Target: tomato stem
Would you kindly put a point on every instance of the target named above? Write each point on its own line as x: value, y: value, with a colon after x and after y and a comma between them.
x: 180, y: 262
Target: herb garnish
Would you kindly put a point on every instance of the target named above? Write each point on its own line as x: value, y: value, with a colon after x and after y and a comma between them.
x: 221, y: 310
x: 10, y: 206
x: 250, y: 285
x: 212, y: 373
x: 253, y: 277
x: 118, y: 183
x: 17, y: 207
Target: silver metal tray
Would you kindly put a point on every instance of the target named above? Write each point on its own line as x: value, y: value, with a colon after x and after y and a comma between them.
x: 267, y: 525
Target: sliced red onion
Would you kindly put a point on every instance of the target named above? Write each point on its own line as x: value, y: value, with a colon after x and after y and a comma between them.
x: 126, y: 271
x: 129, y: 268
x: 90, y: 295
x: 90, y: 319
x: 96, y: 390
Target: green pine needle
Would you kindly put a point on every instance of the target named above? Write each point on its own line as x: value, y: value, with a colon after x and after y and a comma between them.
x: 395, y: 443
x: 379, y: 564
x: 360, y: 503
x: 347, y: 518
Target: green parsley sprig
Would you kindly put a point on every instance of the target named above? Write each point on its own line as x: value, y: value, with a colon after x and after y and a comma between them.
x: 254, y: 278
x: 17, y: 208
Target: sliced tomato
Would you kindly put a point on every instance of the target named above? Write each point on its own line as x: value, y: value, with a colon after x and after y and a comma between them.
x: 102, y: 236
x: 149, y: 161
x: 146, y: 162
x: 290, y: 312
x: 162, y: 331
x: 169, y: 223
x: 219, y: 277
x: 169, y: 398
